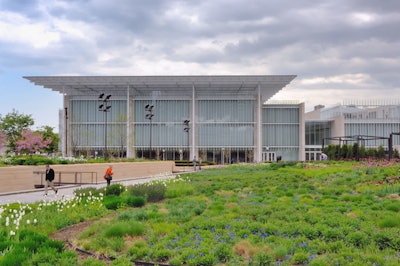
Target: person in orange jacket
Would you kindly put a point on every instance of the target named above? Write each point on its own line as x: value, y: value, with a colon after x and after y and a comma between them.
x: 108, y: 175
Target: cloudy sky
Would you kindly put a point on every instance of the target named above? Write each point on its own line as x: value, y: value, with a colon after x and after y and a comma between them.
x: 339, y: 49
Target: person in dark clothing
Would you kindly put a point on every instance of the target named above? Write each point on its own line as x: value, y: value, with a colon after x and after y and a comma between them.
x: 49, y: 180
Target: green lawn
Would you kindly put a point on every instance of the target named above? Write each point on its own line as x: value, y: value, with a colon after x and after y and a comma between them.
x: 333, y: 213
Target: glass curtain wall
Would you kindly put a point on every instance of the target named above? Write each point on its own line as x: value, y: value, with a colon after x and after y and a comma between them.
x: 316, y: 131
x: 280, y: 134
x: 88, y: 124
x: 163, y: 137
x: 226, y: 130
x: 375, y: 130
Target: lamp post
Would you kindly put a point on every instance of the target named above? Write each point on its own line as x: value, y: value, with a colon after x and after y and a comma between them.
x: 105, y: 107
x: 186, y: 129
x: 149, y: 115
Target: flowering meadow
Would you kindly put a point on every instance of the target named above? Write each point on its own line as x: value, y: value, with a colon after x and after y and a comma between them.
x: 330, y: 213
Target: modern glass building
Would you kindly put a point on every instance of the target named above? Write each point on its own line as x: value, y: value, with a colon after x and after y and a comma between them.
x: 216, y: 118
x: 368, y: 123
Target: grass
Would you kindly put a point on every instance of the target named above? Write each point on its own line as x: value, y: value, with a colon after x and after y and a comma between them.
x: 265, y: 214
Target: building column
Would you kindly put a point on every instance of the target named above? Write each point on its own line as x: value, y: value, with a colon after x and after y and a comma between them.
x: 130, y: 149
x: 302, y: 133
x: 66, y: 148
x: 258, y: 127
x: 193, y: 146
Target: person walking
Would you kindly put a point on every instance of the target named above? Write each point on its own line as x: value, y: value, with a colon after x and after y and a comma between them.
x: 108, y: 175
x: 194, y: 163
x: 49, y: 180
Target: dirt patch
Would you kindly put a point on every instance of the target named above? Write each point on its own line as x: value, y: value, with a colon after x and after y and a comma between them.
x: 69, y: 236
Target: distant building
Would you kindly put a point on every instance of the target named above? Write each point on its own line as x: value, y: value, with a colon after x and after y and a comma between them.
x: 215, y: 118
x: 368, y: 123
x: 224, y: 119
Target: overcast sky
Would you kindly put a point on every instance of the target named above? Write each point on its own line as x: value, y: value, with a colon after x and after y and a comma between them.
x: 339, y: 49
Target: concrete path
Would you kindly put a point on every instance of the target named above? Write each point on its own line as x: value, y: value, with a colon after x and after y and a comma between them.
x: 32, y: 196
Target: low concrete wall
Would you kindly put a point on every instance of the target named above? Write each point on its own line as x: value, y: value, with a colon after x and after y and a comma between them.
x: 17, y: 178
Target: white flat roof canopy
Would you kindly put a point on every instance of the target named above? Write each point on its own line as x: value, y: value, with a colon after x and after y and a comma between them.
x: 171, y: 85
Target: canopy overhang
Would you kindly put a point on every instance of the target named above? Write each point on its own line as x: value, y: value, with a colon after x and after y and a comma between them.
x: 171, y: 85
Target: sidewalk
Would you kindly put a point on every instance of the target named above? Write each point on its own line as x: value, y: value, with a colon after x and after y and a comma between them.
x: 32, y: 196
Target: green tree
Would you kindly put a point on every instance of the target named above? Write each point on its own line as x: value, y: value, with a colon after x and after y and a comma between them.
x: 13, y: 124
x: 48, y: 133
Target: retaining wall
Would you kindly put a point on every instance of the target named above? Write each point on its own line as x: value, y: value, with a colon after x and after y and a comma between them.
x: 17, y: 178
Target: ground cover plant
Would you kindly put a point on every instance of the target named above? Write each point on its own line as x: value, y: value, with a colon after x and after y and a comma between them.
x: 331, y: 213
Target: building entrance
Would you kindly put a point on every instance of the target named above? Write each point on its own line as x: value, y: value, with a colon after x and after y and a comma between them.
x: 269, y: 156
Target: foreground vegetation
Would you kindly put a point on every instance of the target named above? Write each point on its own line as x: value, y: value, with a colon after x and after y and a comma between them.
x: 335, y: 213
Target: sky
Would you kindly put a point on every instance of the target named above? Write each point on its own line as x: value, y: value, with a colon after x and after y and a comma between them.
x: 340, y: 50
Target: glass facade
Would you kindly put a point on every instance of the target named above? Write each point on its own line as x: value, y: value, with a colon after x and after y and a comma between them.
x: 374, y: 130
x: 281, y: 131
x: 316, y: 131
x: 89, y: 130
x: 225, y: 123
x: 166, y: 126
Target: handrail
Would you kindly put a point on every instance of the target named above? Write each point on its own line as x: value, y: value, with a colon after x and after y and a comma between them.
x: 68, y: 177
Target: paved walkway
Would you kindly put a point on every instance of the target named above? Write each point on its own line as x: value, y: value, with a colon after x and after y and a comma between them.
x: 32, y: 196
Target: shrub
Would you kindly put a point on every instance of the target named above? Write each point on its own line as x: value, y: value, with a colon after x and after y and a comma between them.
x: 386, y: 239
x: 113, y: 202
x: 16, y: 256
x: 139, y: 250
x: 261, y: 259
x: 223, y: 252
x: 393, y: 206
x: 46, y: 256
x: 358, y: 239
x: 123, y: 228
x: 133, y: 201
x: 387, y: 222
x: 152, y: 191
x: 114, y: 189
x: 161, y: 254
x: 93, y: 262
x: 299, y: 258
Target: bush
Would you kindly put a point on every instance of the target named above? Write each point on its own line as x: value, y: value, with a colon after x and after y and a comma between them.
x: 124, y: 228
x: 113, y: 202
x: 223, y: 252
x: 133, y: 201
x: 358, y: 239
x: 385, y: 239
x: 114, y: 189
x: 387, y: 222
x: 152, y: 191
x: 261, y: 259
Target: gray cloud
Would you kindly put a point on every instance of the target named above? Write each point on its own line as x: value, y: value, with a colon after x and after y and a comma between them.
x: 314, y: 39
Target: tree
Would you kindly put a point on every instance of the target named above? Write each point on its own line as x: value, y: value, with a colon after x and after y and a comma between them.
x: 3, y: 139
x: 13, y: 124
x: 47, y: 132
x: 32, y: 142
